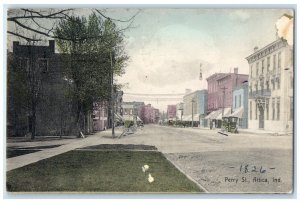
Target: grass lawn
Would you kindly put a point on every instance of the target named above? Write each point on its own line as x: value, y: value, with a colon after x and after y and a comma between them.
x: 100, y: 171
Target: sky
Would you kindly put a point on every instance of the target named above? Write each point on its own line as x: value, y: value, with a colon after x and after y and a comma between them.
x: 167, y: 46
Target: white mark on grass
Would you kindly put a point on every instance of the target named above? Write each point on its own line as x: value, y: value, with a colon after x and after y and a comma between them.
x: 150, y: 178
x: 145, y: 168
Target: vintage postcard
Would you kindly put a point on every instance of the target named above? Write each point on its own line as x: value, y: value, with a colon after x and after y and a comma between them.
x: 150, y: 100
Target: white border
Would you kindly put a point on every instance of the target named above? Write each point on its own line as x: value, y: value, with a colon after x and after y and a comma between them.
x: 147, y: 3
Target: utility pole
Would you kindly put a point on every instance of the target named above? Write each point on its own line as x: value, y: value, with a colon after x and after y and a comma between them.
x: 112, y: 97
x: 193, y: 112
x: 223, y: 88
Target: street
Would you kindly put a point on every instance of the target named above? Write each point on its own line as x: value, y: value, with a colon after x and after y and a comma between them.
x: 238, y: 163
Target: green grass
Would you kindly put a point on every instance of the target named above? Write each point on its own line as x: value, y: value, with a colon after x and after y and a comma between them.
x: 100, y: 171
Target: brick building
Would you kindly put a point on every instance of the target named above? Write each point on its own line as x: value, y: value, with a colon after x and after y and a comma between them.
x: 220, y: 86
x: 54, y: 111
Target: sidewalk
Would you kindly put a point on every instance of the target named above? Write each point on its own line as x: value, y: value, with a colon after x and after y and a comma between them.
x: 23, y: 160
x: 241, y: 131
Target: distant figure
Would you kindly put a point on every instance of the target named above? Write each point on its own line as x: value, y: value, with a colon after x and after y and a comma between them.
x: 210, y: 125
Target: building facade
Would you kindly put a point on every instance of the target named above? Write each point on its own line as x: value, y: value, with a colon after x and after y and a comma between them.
x: 171, y: 112
x: 240, y: 105
x: 131, y: 110
x: 150, y: 114
x: 54, y: 112
x: 100, y: 116
x: 195, y: 104
x: 220, y: 88
x: 271, y: 87
x: 179, y: 111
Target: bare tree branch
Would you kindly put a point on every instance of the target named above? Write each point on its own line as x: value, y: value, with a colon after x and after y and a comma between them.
x: 55, y: 15
x: 118, y: 20
x: 26, y: 38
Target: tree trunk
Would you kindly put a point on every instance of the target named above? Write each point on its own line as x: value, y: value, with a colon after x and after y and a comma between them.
x: 78, y: 114
x: 33, y: 122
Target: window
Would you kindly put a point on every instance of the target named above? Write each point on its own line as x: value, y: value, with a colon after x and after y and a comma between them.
x: 257, y: 69
x: 273, y: 108
x: 279, y: 61
x: 43, y: 65
x: 262, y: 66
x: 274, y: 62
x: 291, y: 108
x: 255, y: 110
x: 273, y: 84
x: 268, y: 63
x: 250, y: 110
x: 251, y: 71
x: 278, y: 83
x: 235, y: 103
x: 240, y: 100
x: 262, y: 88
x: 267, y: 109
x: 278, y: 108
x: 24, y: 63
x: 256, y: 89
x: 268, y: 85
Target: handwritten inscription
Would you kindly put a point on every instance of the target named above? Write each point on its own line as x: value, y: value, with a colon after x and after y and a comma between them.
x: 256, y: 171
x: 236, y: 180
x: 247, y: 168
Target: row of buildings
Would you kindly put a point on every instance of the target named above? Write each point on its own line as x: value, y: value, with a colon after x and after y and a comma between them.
x: 261, y: 100
x: 139, y: 111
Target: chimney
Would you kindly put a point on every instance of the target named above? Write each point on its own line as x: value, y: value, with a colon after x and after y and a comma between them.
x: 236, y: 70
x: 52, y: 46
x: 15, y: 45
x: 255, y: 49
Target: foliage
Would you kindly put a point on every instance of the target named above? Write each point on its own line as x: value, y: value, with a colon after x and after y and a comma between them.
x: 95, y: 48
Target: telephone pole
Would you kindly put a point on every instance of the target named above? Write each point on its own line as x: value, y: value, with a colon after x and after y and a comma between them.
x: 112, y: 97
x: 193, y: 112
x: 223, y: 88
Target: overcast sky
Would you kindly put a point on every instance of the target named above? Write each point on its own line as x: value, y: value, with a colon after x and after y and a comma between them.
x: 167, y: 46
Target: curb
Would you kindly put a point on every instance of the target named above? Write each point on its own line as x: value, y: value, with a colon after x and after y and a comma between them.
x: 189, y: 177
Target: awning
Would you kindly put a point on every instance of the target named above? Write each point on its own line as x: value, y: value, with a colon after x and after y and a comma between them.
x: 227, y: 112
x: 209, y: 115
x: 216, y: 114
x: 237, y: 113
x: 189, y: 117
x: 118, y: 117
x: 196, y: 117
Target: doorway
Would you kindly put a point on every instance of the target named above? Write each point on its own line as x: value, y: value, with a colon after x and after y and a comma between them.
x: 261, y: 118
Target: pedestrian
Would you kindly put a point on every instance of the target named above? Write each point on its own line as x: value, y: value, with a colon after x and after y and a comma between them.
x: 210, y: 124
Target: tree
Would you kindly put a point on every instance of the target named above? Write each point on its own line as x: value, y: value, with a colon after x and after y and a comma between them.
x: 84, y: 42
x: 89, y: 60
